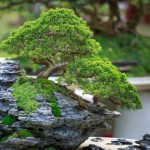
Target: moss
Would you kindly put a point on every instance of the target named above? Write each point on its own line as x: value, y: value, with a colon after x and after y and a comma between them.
x: 14, y: 135
x: 4, y: 138
x: 19, y: 134
x: 47, y: 90
x: 55, y: 109
x: 8, y: 120
x: 50, y: 86
x: 24, y: 133
x: 24, y: 93
x: 25, y: 90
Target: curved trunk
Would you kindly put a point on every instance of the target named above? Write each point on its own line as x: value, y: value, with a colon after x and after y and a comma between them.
x: 45, y: 73
x: 51, y: 70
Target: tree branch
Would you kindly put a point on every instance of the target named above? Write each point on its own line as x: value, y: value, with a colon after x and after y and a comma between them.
x: 113, y: 100
x: 45, y: 61
x: 49, y: 71
x: 61, y: 67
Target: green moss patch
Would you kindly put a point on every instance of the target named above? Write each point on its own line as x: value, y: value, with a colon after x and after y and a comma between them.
x: 24, y: 93
x: 47, y: 90
x: 25, y: 90
x: 4, y: 138
x: 8, y: 120
x: 21, y: 134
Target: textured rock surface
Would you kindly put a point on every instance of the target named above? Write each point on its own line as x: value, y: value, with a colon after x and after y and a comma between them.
x: 66, y: 132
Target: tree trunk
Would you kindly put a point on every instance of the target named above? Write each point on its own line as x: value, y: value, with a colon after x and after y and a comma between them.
x: 114, y: 14
x: 134, y: 13
x: 51, y: 70
x: 46, y: 73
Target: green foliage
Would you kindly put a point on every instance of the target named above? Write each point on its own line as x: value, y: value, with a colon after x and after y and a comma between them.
x: 25, y: 90
x: 100, y: 78
x: 28, y: 65
x: 20, y: 134
x: 55, y: 109
x: 4, y: 138
x: 57, y: 32
x: 24, y: 93
x: 47, y: 90
x: 127, y: 47
x: 57, y: 37
x: 8, y: 120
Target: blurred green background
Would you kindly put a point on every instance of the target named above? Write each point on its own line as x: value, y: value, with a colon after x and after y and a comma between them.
x: 122, y: 27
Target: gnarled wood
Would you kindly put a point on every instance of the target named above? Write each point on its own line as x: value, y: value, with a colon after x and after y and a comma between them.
x: 50, y: 70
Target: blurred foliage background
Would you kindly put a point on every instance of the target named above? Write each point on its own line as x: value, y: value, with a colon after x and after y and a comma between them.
x: 121, y: 26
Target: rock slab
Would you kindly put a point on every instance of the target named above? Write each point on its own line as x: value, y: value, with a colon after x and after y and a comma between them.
x: 65, y: 133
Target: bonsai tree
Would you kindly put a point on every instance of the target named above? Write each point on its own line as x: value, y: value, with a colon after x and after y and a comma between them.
x: 57, y: 37
x: 63, y: 42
